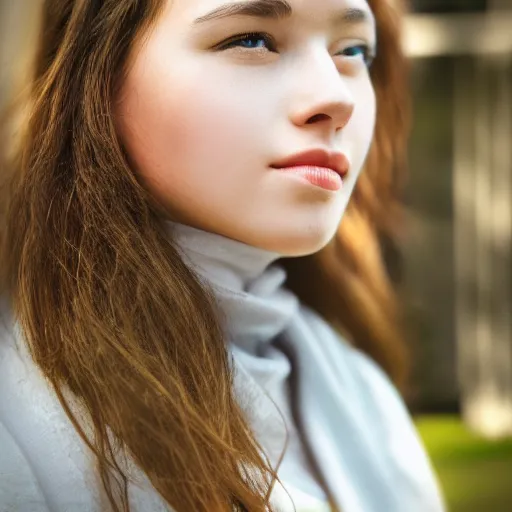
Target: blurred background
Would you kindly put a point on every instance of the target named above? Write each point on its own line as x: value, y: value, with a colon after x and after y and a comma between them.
x: 456, y: 260
x: 454, y: 266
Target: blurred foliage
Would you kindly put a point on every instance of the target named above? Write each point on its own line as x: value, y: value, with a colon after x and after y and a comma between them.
x: 475, y: 474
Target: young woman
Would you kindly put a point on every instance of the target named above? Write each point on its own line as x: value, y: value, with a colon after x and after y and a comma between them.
x: 154, y: 353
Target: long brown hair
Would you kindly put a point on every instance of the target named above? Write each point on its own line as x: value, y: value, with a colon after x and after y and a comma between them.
x: 108, y: 309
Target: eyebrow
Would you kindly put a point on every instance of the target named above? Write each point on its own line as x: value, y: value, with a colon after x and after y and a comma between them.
x: 274, y: 9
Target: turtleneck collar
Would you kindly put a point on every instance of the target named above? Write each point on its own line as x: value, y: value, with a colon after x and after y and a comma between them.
x: 223, y: 261
x: 246, y: 281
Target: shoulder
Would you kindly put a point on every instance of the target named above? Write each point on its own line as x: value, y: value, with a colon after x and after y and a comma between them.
x: 43, y: 463
x: 380, y: 414
x: 19, y: 487
x: 394, y: 429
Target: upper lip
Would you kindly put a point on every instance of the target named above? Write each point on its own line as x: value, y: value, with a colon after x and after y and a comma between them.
x: 336, y: 161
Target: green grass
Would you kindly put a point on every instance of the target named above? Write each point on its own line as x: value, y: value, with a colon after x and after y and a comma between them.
x: 475, y: 474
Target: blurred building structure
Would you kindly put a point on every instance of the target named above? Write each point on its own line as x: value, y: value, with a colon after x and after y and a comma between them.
x: 459, y: 259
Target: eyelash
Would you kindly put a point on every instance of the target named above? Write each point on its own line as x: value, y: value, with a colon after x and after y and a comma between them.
x: 271, y: 45
x: 269, y: 40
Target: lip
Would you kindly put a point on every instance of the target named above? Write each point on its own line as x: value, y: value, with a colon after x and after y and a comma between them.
x: 335, y: 161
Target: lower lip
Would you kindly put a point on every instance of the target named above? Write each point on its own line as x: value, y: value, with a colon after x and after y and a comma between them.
x: 322, y: 177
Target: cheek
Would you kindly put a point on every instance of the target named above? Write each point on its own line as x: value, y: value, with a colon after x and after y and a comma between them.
x: 179, y: 130
x: 359, y: 134
x: 363, y: 122
x: 367, y: 110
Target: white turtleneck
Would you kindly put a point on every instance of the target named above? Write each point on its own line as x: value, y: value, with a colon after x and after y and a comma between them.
x: 348, y: 413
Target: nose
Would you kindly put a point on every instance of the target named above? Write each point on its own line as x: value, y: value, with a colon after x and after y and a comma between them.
x: 322, y: 98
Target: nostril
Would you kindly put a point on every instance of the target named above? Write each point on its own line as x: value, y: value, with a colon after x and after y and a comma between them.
x: 317, y: 117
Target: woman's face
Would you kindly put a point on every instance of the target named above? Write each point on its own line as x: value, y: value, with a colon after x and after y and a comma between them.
x: 207, y: 112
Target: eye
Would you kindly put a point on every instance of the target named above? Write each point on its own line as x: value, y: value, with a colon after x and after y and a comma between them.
x: 250, y: 41
x: 361, y: 51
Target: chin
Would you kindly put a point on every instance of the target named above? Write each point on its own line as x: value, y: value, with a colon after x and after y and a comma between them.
x: 299, y: 242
